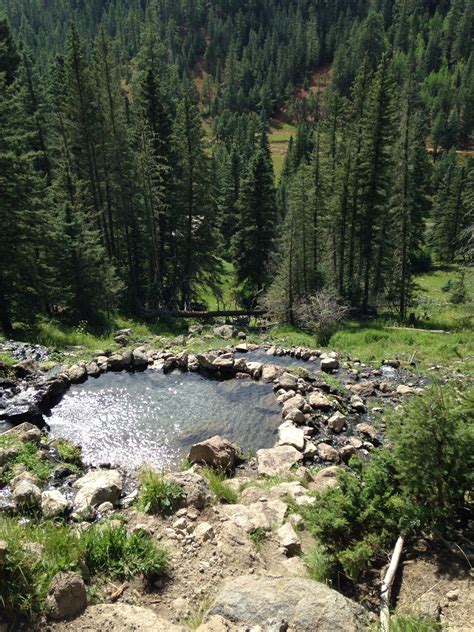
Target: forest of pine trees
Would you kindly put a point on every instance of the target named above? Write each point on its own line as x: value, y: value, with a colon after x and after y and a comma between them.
x: 135, y: 158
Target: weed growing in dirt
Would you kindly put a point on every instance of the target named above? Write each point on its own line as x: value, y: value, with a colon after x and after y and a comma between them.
x: 219, y: 487
x: 257, y: 536
x: 320, y: 564
x: 110, y: 550
x: 158, y: 495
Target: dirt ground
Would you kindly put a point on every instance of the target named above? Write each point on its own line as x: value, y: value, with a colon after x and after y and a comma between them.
x: 437, y: 584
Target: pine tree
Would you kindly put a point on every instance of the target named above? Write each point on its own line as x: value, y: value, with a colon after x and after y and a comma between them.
x: 257, y: 216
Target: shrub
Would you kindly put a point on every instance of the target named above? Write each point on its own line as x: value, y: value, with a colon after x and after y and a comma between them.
x: 433, y: 438
x: 217, y: 482
x: 110, y: 550
x: 321, y: 314
x: 158, y: 495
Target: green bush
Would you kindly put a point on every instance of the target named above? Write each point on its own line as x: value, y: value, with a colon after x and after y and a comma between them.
x: 158, y: 495
x: 433, y: 439
x: 111, y: 551
x: 420, y: 485
x: 257, y: 536
x: 217, y: 482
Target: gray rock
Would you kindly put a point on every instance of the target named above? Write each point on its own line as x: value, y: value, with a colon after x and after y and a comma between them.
x: 77, y: 374
x: 270, y: 372
x: 367, y: 429
x: 97, y: 487
x: 328, y: 453
x: 225, y: 332
x: 53, y: 503
x: 296, y: 416
x: 289, y: 541
x: 290, y: 435
x: 66, y: 596
x: 319, y: 400
x: 277, y: 460
x: 329, y: 364
x: 196, y: 488
x: 287, y: 380
x: 26, y: 494
x: 24, y: 432
x: 337, y: 421
x: 263, y: 514
x: 216, y: 452
x: 140, y: 358
x: 302, y: 604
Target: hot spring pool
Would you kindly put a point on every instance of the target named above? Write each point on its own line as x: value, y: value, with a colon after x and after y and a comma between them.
x: 128, y: 419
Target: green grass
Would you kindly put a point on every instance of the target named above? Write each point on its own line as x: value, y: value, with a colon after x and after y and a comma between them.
x: 219, y: 486
x: 69, y: 452
x: 30, y: 456
x: 25, y: 577
x: 156, y: 494
x: 279, y: 136
x: 258, y: 536
x: 227, y: 284
x: 413, y: 623
x: 112, y: 552
x: 319, y: 564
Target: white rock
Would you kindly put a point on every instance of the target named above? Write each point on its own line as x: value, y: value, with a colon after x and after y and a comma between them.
x: 53, y: 503
x: 288, y: 539
x: 337, y: 421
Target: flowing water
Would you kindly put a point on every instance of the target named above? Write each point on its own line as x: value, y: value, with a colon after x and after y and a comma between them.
x: 130, y: 419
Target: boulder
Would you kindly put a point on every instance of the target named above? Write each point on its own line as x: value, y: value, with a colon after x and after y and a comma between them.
x: 24, y: 432
x: 357, y: 404
x: 337, y: 421
x: 263, y: 514
x: 67, y: 596
x: 6, y: 454
x: 290, y: 435
x: 270, y: 372
x: 77, y: 374
x: 287, y: 380
x: 203, y: 532
x: 97, y: 487
x: 294, y: 603
x: 115, y: 362
x: 329, y: 364
x: 53, y: 503
x: 403, y: 389
x: 254, y: 368
x: 196, y: 489
x: 346, y: 452
x: 276, y: 460
x: 205, y: 360
x: 121, y: 617
x: 224, y: 362
x: 26, y: 494
x: 140, y: 358
x: 367, y: 429
x: 225, y: 332
x: 296, y: 416
x: 297, y: 401
x: 216, y: 452
x: 326, y: 477
x: 319, y: 400
x: 328, y: 453
x: 92, y: 369
x: 289, y: 541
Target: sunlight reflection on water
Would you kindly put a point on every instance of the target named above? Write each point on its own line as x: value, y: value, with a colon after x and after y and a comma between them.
x: 130, y: 419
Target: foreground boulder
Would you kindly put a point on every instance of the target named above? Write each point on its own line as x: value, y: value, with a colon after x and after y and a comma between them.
x: 120, y: 617
x: 277, y: 460
x: 303, y: 605
x: 97, y: 487
x: 53, y: 503
x: 196, y: 489
x: 216, y: 452
x: 66, y: 596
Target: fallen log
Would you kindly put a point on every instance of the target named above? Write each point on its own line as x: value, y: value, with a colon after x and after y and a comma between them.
x: 211, y: 314
x: 387, y: 582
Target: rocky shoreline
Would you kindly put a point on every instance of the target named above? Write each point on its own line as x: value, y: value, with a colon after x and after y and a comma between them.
x: 327, y: 416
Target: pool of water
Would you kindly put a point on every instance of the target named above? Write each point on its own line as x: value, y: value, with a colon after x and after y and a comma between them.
x: 130, y: 419
x: 260, y: 355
